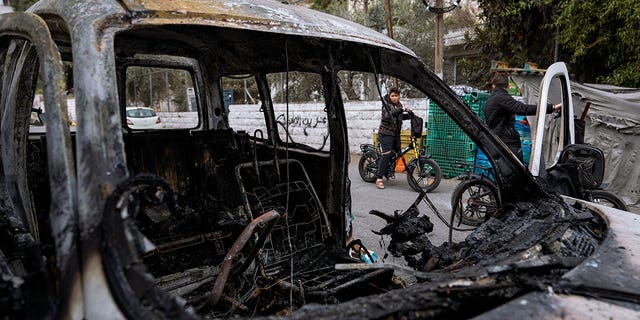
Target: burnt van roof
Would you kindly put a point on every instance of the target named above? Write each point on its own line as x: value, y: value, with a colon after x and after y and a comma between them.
x: 256, y: 15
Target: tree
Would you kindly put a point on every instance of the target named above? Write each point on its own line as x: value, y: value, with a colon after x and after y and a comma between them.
x: 413, y: 25
x: 328, y: 5
x: 296, y: 86
x: 157, y: 87
x: 516, y: 31
x: 603, y: 31
x: 579, y: 32
x: 459, y: 18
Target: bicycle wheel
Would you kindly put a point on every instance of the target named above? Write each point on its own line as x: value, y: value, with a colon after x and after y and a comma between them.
x: 424, y: 174
x: 475, y: 201
x: 368, y: 167
x: 607, y: 199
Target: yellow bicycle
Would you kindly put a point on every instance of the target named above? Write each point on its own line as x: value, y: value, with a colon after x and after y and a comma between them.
x: 423, y: 173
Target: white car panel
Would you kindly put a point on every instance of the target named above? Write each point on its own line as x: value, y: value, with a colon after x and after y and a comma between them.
x: 558, y: 69
x: 142, y: 118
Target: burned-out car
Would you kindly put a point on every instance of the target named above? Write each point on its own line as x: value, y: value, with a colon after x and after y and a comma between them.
x: 195, y: 219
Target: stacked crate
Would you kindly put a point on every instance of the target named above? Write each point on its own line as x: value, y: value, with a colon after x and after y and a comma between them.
x: 446, y: 142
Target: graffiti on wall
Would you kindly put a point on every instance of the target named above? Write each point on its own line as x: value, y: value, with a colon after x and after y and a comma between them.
x: 304, y: 122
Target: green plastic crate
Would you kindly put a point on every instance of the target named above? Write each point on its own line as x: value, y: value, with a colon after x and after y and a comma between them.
x: 445, y: 128
x: 448, y: 152
x: 446, y: 142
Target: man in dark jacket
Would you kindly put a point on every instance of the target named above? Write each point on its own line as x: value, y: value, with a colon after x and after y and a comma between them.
x: 389, y: 131
x: 500, y: 112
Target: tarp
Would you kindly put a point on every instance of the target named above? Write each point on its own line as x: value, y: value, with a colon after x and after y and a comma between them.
x: 612, y: 124
x: 616, y: 107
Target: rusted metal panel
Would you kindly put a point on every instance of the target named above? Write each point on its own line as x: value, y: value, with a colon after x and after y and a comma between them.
x: 32, y: 27
x: 267, y: 219
x: 99, y: 166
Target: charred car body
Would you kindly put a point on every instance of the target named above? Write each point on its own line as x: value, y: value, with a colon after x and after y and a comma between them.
x: 101, y: 220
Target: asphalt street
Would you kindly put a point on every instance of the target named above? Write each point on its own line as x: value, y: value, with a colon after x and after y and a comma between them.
x: 397, y: 195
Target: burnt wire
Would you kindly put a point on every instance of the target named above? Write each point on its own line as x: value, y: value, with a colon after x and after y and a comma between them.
x: 424, y: 198
x: 423, y: 195
x: 286, y: 148
x: 375, y: 76
x: 254, y: 285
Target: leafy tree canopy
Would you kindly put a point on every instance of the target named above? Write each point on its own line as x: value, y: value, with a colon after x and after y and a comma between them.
x: 413, y: 25
x: 602, y: 39
x: 516, y: 31
x: 598, y: 39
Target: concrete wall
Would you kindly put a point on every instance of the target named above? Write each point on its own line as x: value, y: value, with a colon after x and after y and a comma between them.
x: 308, y: 121
x: 178, y: 119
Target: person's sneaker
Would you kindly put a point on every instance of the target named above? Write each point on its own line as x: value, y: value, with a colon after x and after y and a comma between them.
x: 379, y: 184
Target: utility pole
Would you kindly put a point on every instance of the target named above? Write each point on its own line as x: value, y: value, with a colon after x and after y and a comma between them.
x: 439, y: 54
x: 166, y: 86
x: 387, y: 9
x: 150, y: 91
x: 367, y: 78
x: 439, y: 9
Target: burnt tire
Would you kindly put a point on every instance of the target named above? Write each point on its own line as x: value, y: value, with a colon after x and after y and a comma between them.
x: 132, y: 286
x: 474, y: 201
x: 424, y: 174
x: 607, y: 199
x: 368, y: 167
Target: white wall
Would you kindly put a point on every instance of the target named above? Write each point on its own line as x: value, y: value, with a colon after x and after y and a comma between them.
x: 308, y: 121
x: 4, y: 8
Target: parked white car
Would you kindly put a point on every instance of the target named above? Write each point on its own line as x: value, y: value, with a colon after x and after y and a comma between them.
x: 142, y: 118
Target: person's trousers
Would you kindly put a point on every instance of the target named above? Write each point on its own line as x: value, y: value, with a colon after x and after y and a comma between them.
x: 388, y: 145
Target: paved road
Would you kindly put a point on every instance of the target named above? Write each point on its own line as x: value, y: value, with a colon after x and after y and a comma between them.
x: 397, y: 195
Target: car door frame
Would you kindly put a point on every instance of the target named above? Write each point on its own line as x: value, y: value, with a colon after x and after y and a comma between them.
x: 567, y: 131
x: 62, y: 181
